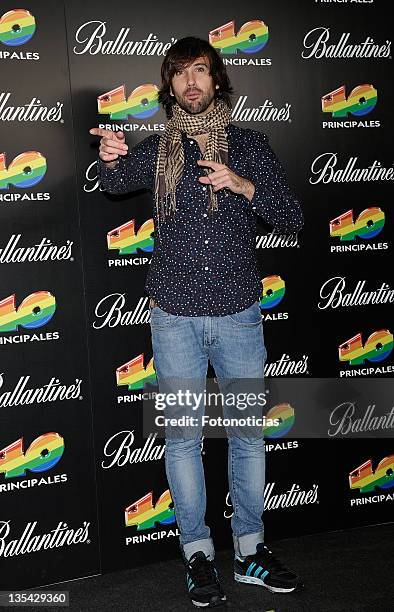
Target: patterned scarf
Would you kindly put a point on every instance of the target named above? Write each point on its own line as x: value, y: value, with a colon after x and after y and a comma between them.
x: 171, y: 159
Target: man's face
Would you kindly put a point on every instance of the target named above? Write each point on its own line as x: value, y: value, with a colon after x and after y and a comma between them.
x: 193, y: 87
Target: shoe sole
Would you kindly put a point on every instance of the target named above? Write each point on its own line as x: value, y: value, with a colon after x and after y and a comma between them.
x: 200, y: 604
x: 253, y: 580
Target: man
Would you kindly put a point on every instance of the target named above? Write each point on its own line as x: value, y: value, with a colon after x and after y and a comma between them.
x: 210, y: 179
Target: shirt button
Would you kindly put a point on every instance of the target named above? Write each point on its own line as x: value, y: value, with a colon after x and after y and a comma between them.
x: 204, y: 188
x: 206, y: 241
x: 205, y: 214
x: 191, y: 141
x: 253, y: 208
x: 206, y: 268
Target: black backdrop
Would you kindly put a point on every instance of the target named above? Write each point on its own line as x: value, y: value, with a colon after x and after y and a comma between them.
x: 62, y: 508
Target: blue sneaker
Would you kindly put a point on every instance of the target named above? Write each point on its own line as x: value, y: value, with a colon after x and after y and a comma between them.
x: 203, y: 582
x: 265, y: 570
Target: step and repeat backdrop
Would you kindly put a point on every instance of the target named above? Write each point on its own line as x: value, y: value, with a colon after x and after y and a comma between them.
x: 82, y: 489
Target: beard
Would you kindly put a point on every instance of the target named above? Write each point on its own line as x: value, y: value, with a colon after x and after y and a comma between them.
x: 194, y: 107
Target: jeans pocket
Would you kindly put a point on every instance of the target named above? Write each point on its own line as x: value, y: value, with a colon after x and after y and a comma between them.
x: 160, y: 318
x: 250, y: 317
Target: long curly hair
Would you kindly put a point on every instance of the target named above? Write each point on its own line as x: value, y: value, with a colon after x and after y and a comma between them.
x: 183, y: 53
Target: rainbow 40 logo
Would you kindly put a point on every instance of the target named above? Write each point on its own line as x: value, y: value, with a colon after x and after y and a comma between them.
x: 145, y: 515
x: 17, y: 27
x: 286, y: 416
x: 128, y: 241
x: 25, y: 170
x: 273, y: 291
x: 35, y: 311
x: 377, y: 348
x: 135, y: 375
x: 361, y: 101
x: 366, y: 479
x: 141, y: 103
x: 42, y: 455
x: 368, y: 224
x: 250, y: 38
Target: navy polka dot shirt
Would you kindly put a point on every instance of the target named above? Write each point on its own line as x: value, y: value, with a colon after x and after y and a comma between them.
x: 203, y: 264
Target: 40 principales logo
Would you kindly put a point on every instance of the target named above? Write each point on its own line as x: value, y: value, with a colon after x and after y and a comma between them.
x: 43, y: 454
x: 377, y: 481
x: 376, y: 348
x: 360, y: 102
x: 143, y: 515
x: 35, y: 311
x: 251, y: 38
x: 17, y: 27
x: 132, y: 245
x: 356, y: 235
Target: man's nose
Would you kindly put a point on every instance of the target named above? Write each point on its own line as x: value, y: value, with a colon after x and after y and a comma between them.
x: 191, y: 80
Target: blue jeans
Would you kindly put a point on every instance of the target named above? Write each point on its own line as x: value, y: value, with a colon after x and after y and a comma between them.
x: 234, y: 344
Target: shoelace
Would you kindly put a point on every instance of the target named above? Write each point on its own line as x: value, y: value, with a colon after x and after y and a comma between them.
x: 268, y: 559
x: 202, y: 572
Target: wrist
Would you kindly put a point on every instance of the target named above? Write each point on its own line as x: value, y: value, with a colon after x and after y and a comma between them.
x: 112, y: 164
x: 248, y: 190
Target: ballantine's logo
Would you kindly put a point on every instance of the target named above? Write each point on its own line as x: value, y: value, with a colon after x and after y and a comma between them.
x: 134, y: 375
x: 263, y: 112
x: 119, y: 452
x: 360, y: 101
x: 128, y: 242
x: 251, y: 38
x: 333, y: 294
x: 28, y: 543
x: 294, y: 496
x: 368, y: 225
x: 25, y: 170
x: 141, y: 103
x: 323, y: 167
x: 17, y: 27
x: 284, y: 366
x: 109, y: 312
x: 33, y: 312
x: 366, y: 479
x: 33, y: 111
x: 42, y: 455
x: 377, y: 347
x: 315, y: 45
x: 90, y: 35
x: 51, y: 392
x: 42, y: 251
x: 144, y: 515
x: 286, y: 416
x: 273, y: 241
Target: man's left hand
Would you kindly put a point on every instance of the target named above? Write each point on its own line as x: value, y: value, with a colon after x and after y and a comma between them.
x: 221, y: 176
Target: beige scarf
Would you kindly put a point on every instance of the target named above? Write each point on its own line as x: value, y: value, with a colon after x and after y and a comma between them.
x: 171, y: 159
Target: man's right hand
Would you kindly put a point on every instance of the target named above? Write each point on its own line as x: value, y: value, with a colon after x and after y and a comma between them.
x: 112, y: 144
